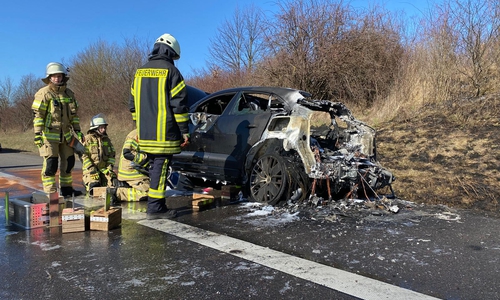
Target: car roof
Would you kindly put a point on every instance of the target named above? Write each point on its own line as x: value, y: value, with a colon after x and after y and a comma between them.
x: 291, y: 96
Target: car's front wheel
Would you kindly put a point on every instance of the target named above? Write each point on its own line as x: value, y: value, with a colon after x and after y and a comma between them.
x: 268, y: 179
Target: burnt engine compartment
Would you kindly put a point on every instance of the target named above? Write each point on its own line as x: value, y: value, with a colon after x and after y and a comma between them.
x: 346, y: 165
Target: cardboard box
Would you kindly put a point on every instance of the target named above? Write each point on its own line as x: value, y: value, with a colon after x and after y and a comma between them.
x: 99, y: 192
x: 73, y: 220
x: 105, y: 219
x: 202, y: 201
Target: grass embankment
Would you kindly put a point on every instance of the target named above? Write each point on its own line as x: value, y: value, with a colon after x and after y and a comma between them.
x: 447, y: 153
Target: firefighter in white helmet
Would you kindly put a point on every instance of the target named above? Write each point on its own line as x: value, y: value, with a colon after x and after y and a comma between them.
x: 158, y: 104
x: 55, y: 122
x: 99, y: 157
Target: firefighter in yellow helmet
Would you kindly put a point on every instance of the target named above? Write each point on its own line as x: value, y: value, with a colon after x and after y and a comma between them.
x: 133, y: 173
x: 158, y: 104
x: 55, y: 119
x: 99, y: 157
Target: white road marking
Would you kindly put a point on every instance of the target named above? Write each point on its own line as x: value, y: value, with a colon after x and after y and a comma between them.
x: 348, y: 283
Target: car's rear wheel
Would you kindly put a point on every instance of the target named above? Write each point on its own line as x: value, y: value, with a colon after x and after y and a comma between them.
x: 268, y: 179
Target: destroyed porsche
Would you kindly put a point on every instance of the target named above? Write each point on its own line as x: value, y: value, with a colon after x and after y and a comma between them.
x: 281, y: 145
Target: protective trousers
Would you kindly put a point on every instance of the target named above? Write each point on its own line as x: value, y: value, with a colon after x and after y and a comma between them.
x: 51, y: 152
x: 130, y: 194
x: 158, y: 173
x: 138, y: 189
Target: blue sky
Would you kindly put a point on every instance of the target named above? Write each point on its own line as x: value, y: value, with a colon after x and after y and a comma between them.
x: 34, y: 32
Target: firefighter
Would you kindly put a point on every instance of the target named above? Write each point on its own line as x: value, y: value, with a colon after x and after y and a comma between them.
x: 133, y: 173
x: 158, y: 104
x: 99, y: 158
x: 55, y: 122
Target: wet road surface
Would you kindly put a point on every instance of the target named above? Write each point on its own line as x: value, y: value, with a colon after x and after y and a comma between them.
x: 435, y: 251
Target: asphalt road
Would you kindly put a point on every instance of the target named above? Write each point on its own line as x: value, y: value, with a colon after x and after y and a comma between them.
x: 249, y: 251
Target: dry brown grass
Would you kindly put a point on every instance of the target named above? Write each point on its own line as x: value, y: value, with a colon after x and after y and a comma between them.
x: 20, y: 141
x: 446, y: 154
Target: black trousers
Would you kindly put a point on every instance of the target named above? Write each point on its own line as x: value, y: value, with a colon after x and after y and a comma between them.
x: 158, y: 174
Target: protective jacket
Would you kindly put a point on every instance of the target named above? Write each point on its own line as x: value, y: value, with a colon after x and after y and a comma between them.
x: 55, y: 110
x: 158, y: 103
x: 99, y: 154
x: 131, y: 154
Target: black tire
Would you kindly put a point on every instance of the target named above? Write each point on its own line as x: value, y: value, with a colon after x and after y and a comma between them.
x: 268, y: 179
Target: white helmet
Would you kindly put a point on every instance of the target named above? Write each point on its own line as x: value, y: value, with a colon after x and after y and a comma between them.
x: 97, y: 120
x: 169, y: 40
x: 54, y: 68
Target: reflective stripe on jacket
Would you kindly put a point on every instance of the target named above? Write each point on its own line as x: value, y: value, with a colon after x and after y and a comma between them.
x: 125, y: 170
x: 159, y: 106
x: 99, y: 153
x: 55, y: 113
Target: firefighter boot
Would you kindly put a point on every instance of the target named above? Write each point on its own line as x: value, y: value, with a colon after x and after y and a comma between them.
x: 68, y: 191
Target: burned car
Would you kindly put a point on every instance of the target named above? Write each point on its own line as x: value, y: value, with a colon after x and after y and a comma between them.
x: 279, y: 145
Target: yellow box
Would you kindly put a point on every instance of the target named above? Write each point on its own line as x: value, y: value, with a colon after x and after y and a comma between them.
x: 201, y: 201
x: 198, y: 196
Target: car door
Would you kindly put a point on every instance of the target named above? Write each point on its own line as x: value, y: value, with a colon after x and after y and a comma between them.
x: 194, y: 159
x: 236, y: 131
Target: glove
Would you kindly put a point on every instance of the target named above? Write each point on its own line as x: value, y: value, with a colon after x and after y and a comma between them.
x: 38, y: 139
x: 94, y: 174
x: 80, y: 136
x: 109, y: 171
x: 114, y: 182
x: 186, y: 137
x: 141, y: 159
x: 141, y: 169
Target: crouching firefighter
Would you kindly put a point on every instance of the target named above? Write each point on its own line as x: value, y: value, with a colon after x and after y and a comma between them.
x: 55, y: 120
x: 99, y: 158
x: 133, y: 172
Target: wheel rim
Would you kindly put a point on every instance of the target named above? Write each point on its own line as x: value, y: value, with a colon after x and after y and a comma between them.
x: 267, y: 180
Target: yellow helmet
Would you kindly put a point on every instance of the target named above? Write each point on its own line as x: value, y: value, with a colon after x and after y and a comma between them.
x: 169, y: 40
x: 54, y: 68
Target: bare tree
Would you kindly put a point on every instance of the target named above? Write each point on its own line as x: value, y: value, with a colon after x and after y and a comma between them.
x: 212, y: 80
x: 101, y: 75
x: 332, y: 51
x: 22, y: 115
x: 6, y: 92
x: 475, y: 26
x: 6, y: 95
x: 297, y: 38
x: 237, y: 46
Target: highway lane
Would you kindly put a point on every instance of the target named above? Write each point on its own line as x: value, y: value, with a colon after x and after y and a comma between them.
x: 430, y: 252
